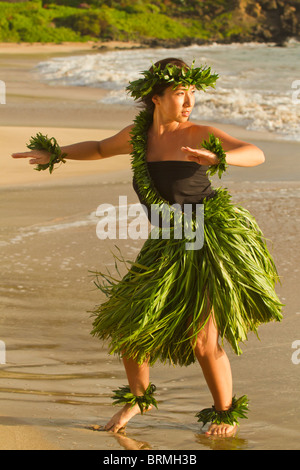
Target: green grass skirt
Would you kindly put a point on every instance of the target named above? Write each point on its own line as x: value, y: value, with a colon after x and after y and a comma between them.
x: 166, y: 296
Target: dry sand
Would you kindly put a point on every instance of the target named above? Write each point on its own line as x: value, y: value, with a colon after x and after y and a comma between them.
x: 57, y: 379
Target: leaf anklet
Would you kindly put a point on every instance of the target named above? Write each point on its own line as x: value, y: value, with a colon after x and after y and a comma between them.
x: 238, y: 409
x: 124, y: 396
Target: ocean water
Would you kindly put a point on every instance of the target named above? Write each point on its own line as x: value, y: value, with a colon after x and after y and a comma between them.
x: 258, y: 88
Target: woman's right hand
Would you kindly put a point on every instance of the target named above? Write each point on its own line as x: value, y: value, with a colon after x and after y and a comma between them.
x: 37, y: 157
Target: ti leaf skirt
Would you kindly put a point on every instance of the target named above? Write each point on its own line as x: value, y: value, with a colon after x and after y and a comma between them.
x: 157, y: 309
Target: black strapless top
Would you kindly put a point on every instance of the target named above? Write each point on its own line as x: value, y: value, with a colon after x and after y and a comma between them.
x: 179, y: 182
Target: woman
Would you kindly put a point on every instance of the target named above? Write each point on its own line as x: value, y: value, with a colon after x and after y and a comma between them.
x: 174, y: 303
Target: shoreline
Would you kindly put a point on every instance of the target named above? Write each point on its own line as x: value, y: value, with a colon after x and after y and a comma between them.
x: 109, y: 45
x: 65, y: 47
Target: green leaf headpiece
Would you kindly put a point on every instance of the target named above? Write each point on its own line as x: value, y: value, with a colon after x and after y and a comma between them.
x: 201, y: 77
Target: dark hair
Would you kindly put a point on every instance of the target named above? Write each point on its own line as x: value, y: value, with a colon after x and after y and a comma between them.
x: 160, y: 88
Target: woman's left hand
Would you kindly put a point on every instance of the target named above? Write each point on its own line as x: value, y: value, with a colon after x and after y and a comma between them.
x: 201, y: 156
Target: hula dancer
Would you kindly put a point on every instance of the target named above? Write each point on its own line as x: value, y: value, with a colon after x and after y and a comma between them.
x: 176, y: 301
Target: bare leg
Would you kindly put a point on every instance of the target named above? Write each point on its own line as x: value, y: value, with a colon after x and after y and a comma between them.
x: 138, y: 379
x: 217, y: 372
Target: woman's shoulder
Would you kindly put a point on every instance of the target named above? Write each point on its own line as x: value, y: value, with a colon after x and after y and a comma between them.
x: 199, y: 132
x: 201, y: 129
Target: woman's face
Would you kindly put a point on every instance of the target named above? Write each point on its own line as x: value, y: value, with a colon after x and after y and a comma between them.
x: 175, y: 104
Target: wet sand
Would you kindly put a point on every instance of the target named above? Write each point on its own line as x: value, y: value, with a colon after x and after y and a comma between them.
x: 57, y: 380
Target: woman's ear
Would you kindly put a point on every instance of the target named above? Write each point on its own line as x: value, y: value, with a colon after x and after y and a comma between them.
x: 155, y: 99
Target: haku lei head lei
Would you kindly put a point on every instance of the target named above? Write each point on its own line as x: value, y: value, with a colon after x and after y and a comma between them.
x: 171, y: 75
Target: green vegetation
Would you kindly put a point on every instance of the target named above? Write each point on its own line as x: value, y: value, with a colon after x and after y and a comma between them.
x: 174, y: 21
x: 30, y: 22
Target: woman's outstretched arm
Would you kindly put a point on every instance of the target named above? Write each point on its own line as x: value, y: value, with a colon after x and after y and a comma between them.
x: 118, y: 144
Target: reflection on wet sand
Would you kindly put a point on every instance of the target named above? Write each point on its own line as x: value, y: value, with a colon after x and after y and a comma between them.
x: 126, y: 442
x: 211, y: 442
x: 222, y: 443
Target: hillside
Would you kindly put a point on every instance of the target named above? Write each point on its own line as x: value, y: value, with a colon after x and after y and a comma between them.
x: 167, y: 22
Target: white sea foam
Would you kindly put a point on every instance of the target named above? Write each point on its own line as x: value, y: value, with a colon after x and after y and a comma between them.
x: 28, y: 232
x: 254, y: 89
x: 89, y: 219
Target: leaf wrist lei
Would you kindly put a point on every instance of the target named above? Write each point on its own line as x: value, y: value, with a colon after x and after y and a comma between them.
x: 238, y: 409
x: 124, y: 396
x: 214, y: 145
x: 42, y: 142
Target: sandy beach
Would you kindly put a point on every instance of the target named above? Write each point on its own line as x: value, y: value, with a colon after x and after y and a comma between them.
x: 57, y: 379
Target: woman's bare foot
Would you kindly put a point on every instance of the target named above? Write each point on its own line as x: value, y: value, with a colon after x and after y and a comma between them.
x: 120, y: 419
x: 221, y: 430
